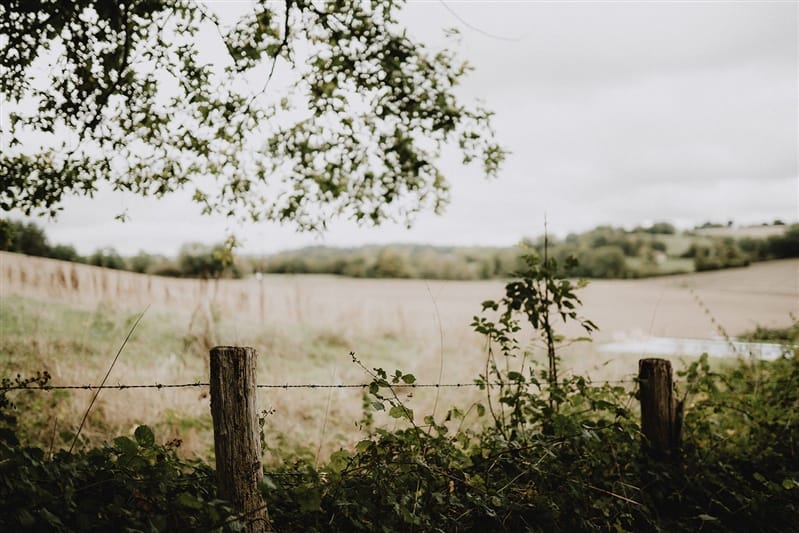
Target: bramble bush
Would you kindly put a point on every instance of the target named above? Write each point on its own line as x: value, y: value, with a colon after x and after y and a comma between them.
x: 130, y: 484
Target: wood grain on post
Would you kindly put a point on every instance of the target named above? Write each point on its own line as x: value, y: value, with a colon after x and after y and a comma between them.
x: 237, y: 442
x: 661, y: 413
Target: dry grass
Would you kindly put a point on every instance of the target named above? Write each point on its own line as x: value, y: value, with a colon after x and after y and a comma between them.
x: 305, y: 326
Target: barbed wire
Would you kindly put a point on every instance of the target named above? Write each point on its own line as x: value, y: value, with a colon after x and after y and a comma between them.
x: 284, y: 386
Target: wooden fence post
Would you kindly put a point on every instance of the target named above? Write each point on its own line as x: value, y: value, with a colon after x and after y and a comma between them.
x: 661, y: 413
x: 237, y: 442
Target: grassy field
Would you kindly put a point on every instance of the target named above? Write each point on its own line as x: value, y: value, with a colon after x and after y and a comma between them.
x: 71, y: 319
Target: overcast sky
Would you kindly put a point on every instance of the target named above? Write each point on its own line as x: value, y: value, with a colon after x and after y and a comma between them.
x: 615, y: 113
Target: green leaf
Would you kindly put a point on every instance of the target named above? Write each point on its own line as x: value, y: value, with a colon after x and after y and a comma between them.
x: 187, y: 500
x: 515, y: 376
x: 144, y: 436
x: 339, y: 459
x: 126, y: 446
x: 409, y: 378
x: 400, y: 411
x: 789, y: 484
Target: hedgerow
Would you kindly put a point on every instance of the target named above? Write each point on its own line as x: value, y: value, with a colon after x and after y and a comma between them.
x: 131, y: 484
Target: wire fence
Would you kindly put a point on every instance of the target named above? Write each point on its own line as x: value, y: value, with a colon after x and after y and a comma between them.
x: 285, y: 386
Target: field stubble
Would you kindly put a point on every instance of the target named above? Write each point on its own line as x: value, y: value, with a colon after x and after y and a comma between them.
x: 70, y: 320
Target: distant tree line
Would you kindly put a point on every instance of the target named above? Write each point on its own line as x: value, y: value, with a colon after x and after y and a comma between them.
x: 603, y: 252
x: 193, y: 261
x: 729, y: 252
x: 395, y: 261
x: 28, y: 238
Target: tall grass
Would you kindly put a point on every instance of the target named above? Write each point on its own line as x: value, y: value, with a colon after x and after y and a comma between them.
x: 76, y: 346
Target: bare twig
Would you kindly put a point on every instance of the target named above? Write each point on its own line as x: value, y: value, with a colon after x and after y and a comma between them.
x: 102, y: 383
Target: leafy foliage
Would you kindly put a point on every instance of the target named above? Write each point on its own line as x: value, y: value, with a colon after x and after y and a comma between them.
x: 200, y: 261
x: 129, y: 484
x: 788, y: 335
x: 741, y: 449
x: 131, y: 95
x: 28, y: 238
x: 722, y: 253
x: 107, y: 257
x: 541, y: 295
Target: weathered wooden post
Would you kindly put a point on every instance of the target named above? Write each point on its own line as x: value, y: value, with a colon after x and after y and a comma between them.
x: 237, y: 443
x: 661, y: 412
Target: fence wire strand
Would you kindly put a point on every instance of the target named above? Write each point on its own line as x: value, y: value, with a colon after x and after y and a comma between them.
x: 284, y: 386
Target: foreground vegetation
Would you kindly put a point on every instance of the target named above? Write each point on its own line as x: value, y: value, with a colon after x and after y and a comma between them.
x: 603, y: 252
x: 738, y: 470
x: 539, y: 452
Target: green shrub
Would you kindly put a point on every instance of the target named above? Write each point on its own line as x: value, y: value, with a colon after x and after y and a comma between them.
x: 107, y: 258
x: 786, y: 245
x: 723, y: 253
x: 740, y: 468
x: 145, y: 263
x: 21, y: 237
x: 131, y: 484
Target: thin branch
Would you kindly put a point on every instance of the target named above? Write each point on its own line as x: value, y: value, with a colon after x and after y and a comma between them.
x: 619, y: 496
x: 96, y: 394
x: 475, y: 28
x: 441, y: 346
